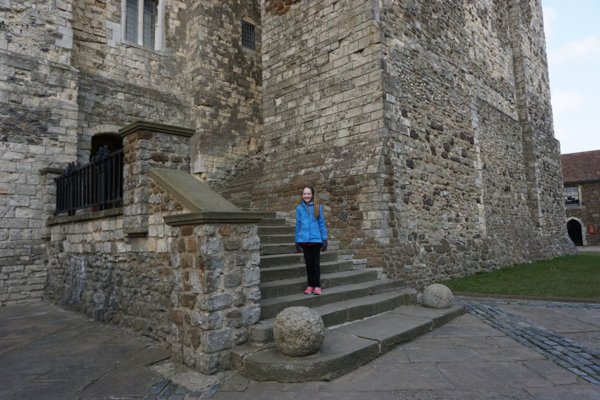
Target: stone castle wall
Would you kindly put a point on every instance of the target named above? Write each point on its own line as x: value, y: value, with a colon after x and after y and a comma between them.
x: 67, y: 74
x: 224, y: 87
x: 38, y: 110
x: 465, y: 168
x: 323, y: 114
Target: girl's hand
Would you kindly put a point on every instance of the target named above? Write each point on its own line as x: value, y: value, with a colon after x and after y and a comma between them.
x: 298, y: 248
x: 324, y: 246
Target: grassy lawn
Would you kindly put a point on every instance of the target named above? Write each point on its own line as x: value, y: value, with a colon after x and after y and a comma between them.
x: 569, y: 276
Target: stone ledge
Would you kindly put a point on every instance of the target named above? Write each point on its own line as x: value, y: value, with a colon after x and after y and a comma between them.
x: 85, y: 216
x: 209, y: 217
x: 155, y: 127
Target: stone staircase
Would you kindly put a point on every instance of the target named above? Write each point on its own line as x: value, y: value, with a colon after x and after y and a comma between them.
x: 239, y: 190
x: 365, y: 315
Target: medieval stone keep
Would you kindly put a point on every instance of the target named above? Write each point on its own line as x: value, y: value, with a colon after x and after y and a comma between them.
x: 425, y: 127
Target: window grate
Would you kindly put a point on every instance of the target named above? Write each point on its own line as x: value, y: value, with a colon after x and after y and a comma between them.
x: 248, y: 35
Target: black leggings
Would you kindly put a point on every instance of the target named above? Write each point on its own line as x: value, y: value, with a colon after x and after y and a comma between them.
x: 312, y: 257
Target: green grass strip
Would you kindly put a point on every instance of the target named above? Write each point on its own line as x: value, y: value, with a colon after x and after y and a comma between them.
x: 575, y: 276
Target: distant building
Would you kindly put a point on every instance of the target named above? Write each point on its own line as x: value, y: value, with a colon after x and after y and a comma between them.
x: 581, y: 177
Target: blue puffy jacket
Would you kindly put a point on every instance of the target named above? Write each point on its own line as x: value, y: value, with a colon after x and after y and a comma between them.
x: 309, y: 229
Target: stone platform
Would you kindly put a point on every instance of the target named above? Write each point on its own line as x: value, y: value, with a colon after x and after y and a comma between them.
x: 346, y: 347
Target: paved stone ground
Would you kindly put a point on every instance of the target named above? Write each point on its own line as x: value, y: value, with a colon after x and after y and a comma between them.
x: 49, y: 353
x: 485, y: 354
x: 502, y: 349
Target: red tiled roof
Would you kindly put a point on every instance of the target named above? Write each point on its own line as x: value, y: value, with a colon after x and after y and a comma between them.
x: 580, y: 167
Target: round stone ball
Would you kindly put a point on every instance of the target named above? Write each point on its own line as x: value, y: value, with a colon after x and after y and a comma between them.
x: 437, y: 296
x: 298, y: 331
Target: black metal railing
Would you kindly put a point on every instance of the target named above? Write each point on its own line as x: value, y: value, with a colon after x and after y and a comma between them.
x: 97, y: 185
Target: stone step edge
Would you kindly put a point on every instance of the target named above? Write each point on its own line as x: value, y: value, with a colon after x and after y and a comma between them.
x: 273, y: 306
x: 265, y: 363
x: 262, y: 332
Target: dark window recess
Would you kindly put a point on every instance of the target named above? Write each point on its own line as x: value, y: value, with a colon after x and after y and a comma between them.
x: 248, y: 35
x: 572, y: 196
x: 97, y: 185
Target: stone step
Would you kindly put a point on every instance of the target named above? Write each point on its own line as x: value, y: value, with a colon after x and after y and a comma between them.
x: 273, y: 306
x: 277, y: 239
x: 344, y: 311
x: 297, y: 285
x: 344, y: 349
x: 279, y: 260
x: 276, y: 230
x: 273, y: 222
x: 299, y: 270
x: 287, y: 248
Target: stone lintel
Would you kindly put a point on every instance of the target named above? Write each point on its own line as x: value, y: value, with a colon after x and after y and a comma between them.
x: 85, y: 216
x: 155, y: 127
x: 140, y: 232
x: 51, y: 171
x: 193, y: 194
x: 214, y: 217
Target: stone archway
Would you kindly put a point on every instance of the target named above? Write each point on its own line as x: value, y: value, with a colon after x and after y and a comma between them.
x: 576, y: 230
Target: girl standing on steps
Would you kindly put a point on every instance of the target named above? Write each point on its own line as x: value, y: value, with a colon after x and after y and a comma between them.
x: 311, y: 237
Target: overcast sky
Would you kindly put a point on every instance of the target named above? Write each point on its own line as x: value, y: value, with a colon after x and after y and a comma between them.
x: 573, y: 40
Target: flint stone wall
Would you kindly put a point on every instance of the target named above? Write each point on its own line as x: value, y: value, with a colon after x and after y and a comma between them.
x: 449, y: 165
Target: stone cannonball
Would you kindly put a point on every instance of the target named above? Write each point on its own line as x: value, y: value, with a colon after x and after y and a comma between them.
x: 437, y: 296
x: 298, y: 331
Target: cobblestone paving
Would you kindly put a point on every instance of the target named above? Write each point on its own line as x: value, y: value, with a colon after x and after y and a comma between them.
x: 168, y: 390
x: 575, y: 357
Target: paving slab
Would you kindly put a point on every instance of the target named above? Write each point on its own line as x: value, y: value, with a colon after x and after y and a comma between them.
x: 46, y: 390
x: 443, y: 355
x: 494, y: 394
x: 590, y: 339
x: 549, y: 370
x: 509, y: 354
x: 495, y: 375
x: 123, y: 382
x: 413, y: 376
x: 10, y: 383
x: 578, y: 392
x: 549, y: 318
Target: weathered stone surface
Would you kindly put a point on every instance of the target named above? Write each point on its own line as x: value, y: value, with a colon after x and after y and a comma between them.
x: 298, y: 331
x: 437, y: 296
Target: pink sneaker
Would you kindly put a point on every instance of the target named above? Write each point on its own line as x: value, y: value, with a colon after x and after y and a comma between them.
x: 309, y: 290
x: 317, y: 291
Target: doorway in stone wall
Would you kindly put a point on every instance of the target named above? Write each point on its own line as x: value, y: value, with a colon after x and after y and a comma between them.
x: 575, y: 232
x: 112, y: 141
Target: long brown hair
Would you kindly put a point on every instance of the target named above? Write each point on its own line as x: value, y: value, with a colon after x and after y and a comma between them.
x: 317, y: 207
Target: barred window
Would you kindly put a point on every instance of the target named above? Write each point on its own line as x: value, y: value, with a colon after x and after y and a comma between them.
x: 248, y: 35
x: 572, y: 196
